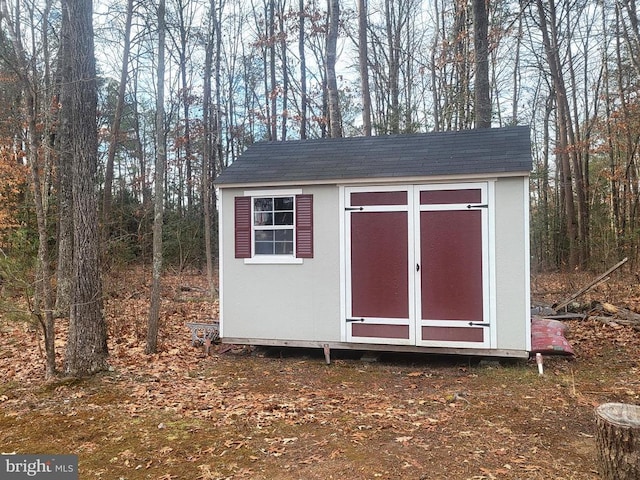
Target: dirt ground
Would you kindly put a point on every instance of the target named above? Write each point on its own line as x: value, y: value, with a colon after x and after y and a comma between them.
x: 285, y: 414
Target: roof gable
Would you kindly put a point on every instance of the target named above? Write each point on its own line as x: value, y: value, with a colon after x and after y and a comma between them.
x: 480, y: 151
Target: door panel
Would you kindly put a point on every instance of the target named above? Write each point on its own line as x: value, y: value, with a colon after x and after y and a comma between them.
x: 379, y: 264
x: 453, y: 334
x: 378, y: 330
x: 378, y: 198
x: 444, y: 197
x: 451, y: 261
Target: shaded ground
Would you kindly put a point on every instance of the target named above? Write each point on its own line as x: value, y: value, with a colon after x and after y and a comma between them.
x: 284, y: 414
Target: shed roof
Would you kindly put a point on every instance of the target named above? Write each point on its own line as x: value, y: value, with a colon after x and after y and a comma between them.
x: 480, y: 151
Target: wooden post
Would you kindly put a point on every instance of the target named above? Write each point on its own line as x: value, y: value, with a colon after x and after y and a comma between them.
x: 618, y: 441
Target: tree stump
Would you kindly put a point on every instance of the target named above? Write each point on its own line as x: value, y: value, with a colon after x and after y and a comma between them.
x: 618, y: 441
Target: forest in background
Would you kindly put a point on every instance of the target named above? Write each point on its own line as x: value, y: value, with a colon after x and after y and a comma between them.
x: 181, y: 87
x: 239, y: 71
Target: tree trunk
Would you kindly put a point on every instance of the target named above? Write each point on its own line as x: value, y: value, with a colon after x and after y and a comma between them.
x: 517, y: 74
x: 618, y: 441
x: 363, y: 60
x: 186, y: 105
x: 285, y: 71
x: 43, y: 307
x: 435, y: 90
x: 564, y: 136
x: 154, y: 308
x: 43, y: 301
x: 480, y: 42
x: 273, y: 91
x: 335, y: 122
x: 64, y: 272
x: 208, y: 171
x: 107, y: 195
x: 393, y: 56
x: 87, y: 343
x: 303, y: 73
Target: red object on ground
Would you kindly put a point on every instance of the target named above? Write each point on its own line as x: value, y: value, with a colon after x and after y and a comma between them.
x: 548, y: 337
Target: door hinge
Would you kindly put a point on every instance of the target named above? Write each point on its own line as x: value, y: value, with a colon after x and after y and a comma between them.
x: 479, y: 324
x: 478, y: 206
x: 349, y: 320
x: 348, y: 209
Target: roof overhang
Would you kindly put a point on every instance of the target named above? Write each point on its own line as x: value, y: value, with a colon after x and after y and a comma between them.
x: 377, y: 181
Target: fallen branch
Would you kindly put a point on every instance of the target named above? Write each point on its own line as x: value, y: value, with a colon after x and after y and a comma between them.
x: 611, y: 321
x: 601, y: 278
x: 606, y: 312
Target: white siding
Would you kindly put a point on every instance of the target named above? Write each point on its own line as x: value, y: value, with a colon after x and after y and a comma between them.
x: 284, y: 302
x: 512, y: 269
x: 301, y: 302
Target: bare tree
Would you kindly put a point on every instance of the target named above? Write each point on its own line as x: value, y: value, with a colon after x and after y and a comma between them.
x: 450, y: 67
x: 181, y: 43
x: 64, y: 270
x: 87, y: 342
x: 24, y: 67
x: 161, y: 158
x: 303, y: 71
x: 335, y: 120
x: 481, y: 55
x: 209, y: 152
x: 115, y: 126
x: 363, y: 63
x: 571, y: 170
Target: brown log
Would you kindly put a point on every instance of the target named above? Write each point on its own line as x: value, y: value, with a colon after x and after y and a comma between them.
x: 618, y: 441
x: 622, y: 313
x: 601, y: 278
x: 613, y: 321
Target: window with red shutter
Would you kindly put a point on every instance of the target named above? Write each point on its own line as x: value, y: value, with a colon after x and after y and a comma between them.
x: 273, y: 228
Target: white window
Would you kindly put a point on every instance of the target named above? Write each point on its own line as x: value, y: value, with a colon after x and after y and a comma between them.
x: 273, y: 225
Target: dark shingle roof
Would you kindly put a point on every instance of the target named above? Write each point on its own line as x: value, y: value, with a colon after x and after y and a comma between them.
x: 481, y: 151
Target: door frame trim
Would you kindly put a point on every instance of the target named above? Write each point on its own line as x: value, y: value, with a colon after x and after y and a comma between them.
x: 488, y: 265
x: 345, y: 255
x: 413, y: 209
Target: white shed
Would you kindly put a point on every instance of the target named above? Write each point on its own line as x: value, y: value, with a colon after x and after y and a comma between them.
x: 416, y: 243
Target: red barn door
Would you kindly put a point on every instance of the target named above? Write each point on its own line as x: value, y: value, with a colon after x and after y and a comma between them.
x: 378, y: 250
x: 453, y: 277
x: 417, y: 265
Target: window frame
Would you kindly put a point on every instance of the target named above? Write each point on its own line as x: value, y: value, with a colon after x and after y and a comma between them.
x: 260, y: 258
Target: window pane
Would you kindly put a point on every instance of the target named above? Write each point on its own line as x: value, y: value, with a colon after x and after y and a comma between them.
x: 268, y: 212
x: 264, y: 248
x: 263, y: 219
x: 264, y: 235
x: 285, y: 203
x: 284, y: 248
x: 263, y: 204
x: 284, y: 218
x: 284, y: 235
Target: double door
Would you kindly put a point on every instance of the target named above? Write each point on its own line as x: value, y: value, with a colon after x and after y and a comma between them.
x: 417, y: 268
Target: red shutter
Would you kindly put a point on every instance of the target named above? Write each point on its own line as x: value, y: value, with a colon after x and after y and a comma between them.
x: 243, y: 227
x: 304, y: 226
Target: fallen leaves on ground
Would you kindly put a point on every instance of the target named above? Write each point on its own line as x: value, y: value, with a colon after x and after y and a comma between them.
x: 284, y: 414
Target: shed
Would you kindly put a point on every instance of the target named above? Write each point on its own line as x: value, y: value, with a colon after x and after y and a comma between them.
x: 415, y: 243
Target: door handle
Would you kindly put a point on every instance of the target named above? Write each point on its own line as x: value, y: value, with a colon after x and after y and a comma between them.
x: 417, y: 267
